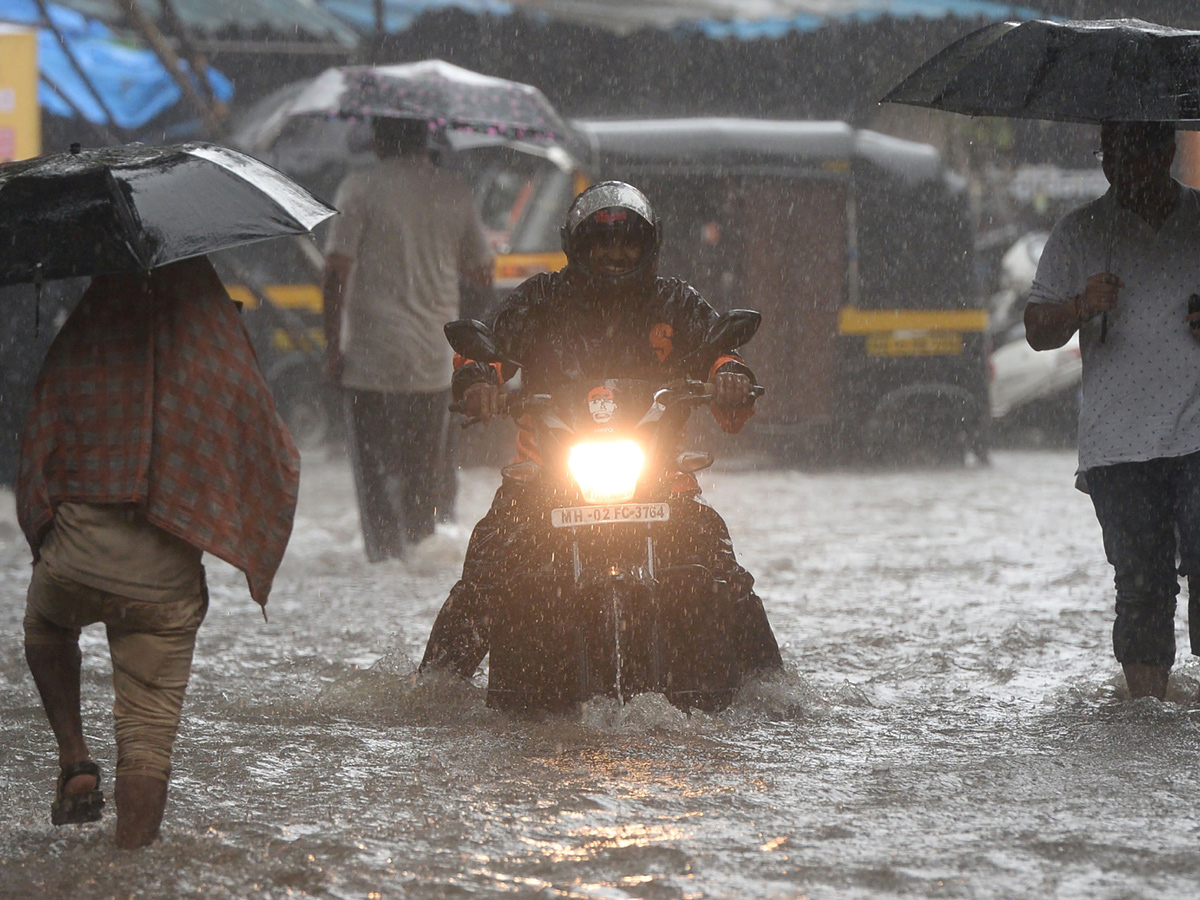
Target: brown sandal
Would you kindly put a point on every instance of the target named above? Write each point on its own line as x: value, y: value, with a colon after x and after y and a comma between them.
x: 84, y: 806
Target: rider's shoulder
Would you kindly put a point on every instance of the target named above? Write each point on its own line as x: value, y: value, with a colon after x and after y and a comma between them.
x: 672, y: 288
x: 541, y: 286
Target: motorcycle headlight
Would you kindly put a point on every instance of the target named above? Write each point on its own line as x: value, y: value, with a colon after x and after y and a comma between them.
x: 606, y: 472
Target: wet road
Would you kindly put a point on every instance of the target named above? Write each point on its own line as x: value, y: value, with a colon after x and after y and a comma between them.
x: 951, y: 724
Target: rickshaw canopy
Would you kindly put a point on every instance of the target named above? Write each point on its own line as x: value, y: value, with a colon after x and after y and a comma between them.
x: 734, y: 145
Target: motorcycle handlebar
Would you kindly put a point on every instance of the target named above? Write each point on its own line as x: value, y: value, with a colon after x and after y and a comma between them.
x: 696, y: 392
x: 693, y: 391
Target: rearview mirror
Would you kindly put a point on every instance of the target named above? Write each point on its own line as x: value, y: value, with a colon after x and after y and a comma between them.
x: 474, y: 340
x: 732, y: 330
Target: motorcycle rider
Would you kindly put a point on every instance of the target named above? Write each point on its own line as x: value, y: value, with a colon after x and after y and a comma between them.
x: 605, y: 315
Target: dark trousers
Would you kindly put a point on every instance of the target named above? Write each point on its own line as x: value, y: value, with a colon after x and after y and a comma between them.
x: 402, y: 452
x: 506, y: 541
x: 1149, y: 513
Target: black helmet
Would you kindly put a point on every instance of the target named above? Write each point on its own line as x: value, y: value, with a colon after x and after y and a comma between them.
x: 607, y: 209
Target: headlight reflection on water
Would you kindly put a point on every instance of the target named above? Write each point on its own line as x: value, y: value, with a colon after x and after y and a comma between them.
x: 594, y: 845
x: 594, y: 841
x: 606, y: 472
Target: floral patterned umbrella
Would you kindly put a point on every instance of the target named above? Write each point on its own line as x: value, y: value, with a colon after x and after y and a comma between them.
x: 450, y: 98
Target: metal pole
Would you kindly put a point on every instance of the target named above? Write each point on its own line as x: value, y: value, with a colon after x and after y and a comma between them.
x: 196, y: 61
x: 380, y: 32
x: 170, y: 60
x: 71, y: 58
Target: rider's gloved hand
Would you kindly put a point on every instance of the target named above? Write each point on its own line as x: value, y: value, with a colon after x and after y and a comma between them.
x: 481, y: 401
x: 732, y: 390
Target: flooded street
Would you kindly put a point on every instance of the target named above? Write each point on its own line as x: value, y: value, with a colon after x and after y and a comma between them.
x: 951, y: 723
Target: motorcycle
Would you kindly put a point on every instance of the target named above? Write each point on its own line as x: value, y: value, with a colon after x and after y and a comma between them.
x: 604, y: 607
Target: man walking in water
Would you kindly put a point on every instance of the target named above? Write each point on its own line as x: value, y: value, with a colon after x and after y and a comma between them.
x: 152, y: 439
x: 1123, y: 270
x: 408, y: 234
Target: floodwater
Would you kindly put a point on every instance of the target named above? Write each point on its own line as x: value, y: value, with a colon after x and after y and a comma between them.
x: 951, y: 724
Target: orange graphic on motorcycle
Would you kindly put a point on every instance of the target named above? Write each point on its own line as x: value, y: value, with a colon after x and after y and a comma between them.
x: 602, y: 404
x: 660, y: 340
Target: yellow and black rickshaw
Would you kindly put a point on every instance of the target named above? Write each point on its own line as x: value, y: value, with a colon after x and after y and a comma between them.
x: 856, y: 248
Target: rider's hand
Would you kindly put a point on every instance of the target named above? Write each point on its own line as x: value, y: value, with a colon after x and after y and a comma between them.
x: 480, y: 401
x: 732, y: 390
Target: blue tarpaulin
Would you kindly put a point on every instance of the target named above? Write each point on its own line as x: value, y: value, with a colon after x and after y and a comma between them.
x: 714, y: 18
x: 130, y: 79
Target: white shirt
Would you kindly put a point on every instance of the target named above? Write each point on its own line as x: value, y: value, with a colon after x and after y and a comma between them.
x: 1141, y: 387
x: 411, y: 229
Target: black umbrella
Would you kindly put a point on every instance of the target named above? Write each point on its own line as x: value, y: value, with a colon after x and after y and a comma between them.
x: 1089, y: 71
x: 1065, y: 71
x: 132, y: 208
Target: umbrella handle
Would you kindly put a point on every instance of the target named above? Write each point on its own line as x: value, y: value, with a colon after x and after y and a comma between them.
x: 1108, y: 255
x: 37, y: 299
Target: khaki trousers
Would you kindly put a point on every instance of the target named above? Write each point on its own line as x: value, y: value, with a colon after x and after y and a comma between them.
x: 151, y: 643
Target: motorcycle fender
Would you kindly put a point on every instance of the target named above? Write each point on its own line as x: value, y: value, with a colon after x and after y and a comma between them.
x: 554, y: 645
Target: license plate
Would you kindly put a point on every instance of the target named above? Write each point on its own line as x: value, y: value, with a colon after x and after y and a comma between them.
x: 612, y: 514
x: 937, y: 343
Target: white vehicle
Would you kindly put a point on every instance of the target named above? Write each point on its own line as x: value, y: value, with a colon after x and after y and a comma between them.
x: 1030, y: 390
x: 1022, y: 376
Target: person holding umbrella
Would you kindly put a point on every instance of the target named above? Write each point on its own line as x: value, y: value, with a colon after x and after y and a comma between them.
x: 1124, y: 272
x: 1139, y: 422
x: 408, y: 234
x: 152, y: 438
x: 407, y: 238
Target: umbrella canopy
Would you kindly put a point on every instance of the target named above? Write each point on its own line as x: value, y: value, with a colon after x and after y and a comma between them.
x: 450, y: 98
x: 1065, y: 71
x: 132, y: 208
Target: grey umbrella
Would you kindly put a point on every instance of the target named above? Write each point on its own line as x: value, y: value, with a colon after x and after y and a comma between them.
x: 132, y: 208
x: 1087, y: 71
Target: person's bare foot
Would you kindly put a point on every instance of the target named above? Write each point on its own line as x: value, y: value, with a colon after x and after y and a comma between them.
x: 141, y: 800
x: 1146, y: 681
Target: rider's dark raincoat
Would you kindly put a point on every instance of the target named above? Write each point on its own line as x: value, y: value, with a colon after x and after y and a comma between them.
x: 563, y: 329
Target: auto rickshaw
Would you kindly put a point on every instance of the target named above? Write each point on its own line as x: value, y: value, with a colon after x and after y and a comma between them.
x: 857, y: 249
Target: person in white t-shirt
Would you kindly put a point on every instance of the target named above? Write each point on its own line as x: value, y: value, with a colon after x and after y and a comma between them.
x: 1122, y: 270
x: 408, y: 235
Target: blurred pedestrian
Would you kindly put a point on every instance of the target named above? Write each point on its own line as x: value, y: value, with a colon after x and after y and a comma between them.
x: 1139, y: 421
x: 152, y: 439
x: 407, y: 234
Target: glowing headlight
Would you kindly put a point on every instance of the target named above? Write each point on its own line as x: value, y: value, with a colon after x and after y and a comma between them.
x: 606, y: 472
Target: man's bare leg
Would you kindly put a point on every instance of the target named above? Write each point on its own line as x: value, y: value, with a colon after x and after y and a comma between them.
x: 141, y: 800
x: 1146, y: 681
x: 55, y: 669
